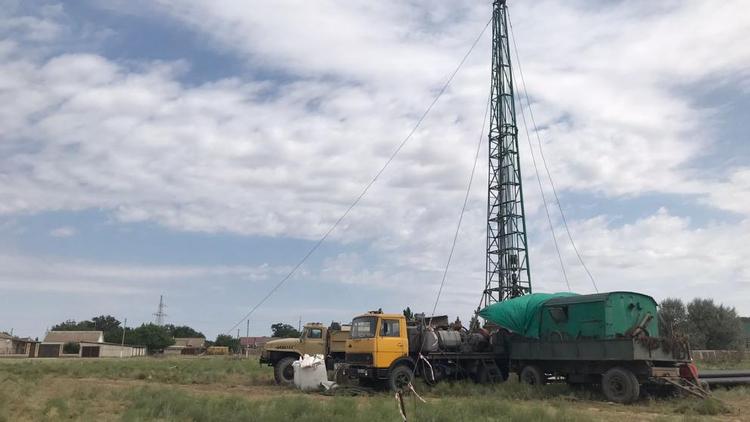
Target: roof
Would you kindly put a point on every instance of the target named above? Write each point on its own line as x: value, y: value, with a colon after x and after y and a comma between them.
x: 597, y: 297
x: 74, y: 337
x: 135, y: 346
x: 6, y: 336
x: 189, y: 342
x: 254, y: 341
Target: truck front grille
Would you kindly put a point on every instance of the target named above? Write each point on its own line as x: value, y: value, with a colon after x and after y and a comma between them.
x: 359, y: 358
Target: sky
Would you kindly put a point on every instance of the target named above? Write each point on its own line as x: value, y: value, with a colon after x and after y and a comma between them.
x: 198, y: 150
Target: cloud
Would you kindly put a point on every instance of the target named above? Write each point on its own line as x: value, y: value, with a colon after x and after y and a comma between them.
x: 63, y: 232
x: 283, y: 155
x: 50, y: 274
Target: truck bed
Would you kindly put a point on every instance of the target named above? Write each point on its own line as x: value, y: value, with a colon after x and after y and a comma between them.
x: 621, y: 349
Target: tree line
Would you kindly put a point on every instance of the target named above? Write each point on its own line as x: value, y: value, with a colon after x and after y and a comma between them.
x: 706, y: 325
x: 155, y: 337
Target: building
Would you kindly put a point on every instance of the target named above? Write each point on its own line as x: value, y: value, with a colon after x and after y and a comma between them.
x: 109, y: 350
x: 74, y: 337
x: 54, y: 342
x: 187, y: 346
x: 253, y: 342
x: 251, y: 345
x: 11, y: 346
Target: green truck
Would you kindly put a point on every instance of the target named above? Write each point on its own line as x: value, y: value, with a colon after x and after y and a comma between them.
x: 315, y: 339
x: 610, y: 339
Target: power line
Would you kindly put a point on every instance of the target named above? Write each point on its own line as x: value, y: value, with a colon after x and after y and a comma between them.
x: 463, y: 208
x: 544, y: 160
x: 460, y: 219
x: 541, y: 189
x: 544, y: 200
x: 367, y: 187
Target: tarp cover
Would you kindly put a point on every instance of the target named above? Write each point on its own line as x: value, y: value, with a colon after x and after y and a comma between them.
x: 521, y: 314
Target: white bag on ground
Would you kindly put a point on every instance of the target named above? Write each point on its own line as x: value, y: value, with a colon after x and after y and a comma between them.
x: 310, y: 372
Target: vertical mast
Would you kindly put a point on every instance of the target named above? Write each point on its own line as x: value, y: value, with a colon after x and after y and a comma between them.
x: 507, y: 271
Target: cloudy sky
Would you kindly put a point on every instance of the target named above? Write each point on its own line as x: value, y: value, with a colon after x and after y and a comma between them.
x: 198, y: 150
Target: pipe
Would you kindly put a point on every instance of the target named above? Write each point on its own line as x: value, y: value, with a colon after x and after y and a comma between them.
x: 725, y: 373
x: 727, y: 381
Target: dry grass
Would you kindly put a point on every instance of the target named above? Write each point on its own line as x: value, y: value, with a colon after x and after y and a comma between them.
x: 234, y: 390
x: 177, y: 370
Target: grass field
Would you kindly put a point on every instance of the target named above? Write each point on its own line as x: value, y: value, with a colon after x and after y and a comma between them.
x: 223, y: 389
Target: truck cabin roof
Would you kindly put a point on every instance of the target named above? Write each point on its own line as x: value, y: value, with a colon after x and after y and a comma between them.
x: 380, y: 314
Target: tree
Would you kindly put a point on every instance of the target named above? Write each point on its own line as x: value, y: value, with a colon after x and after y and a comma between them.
x: 108, y: 324
x: 105, y: 323
x: 713, y: 327
x: 408, y: 314
x: 284, y: 330
x: 72, y: 325
x: 673, y: 317
x: 153, y: 336
x: 183, y: 331
x: 226, y: 340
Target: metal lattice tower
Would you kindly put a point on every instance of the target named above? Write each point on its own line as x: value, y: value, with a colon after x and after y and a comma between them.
x: 507, y: 254
x: 160, y: 314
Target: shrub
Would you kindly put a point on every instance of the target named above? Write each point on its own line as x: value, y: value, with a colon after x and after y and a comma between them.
x: 71, y: 348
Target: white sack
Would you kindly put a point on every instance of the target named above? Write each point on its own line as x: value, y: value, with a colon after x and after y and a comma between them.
x: 310, y: 372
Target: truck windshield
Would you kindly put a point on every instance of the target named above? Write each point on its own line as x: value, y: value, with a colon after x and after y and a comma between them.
x: 363, y: 327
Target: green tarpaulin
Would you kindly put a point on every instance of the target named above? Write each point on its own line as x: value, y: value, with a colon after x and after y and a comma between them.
x: 521, y: 314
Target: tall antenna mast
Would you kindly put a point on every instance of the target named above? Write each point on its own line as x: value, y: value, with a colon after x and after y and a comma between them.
x: 160, y: 314
x: 507, y: 271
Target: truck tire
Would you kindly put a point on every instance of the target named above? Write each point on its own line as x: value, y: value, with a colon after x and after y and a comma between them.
x: 399, y: 378
x: 283, y: 371
x: 484, y: 375
x: 620, y: 385
x: 532, y: 375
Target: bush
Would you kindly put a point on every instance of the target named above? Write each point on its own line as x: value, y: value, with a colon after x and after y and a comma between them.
x: 71, y: 348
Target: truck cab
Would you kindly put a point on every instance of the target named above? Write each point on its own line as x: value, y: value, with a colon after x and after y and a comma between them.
x: 315, y: 339
x: 378, y: 350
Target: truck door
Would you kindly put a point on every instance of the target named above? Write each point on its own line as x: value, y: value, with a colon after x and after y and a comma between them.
x: 314, y: 341
x: 392, y: 343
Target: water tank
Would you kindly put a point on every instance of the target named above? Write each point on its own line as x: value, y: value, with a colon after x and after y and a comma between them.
x: 449, y: 340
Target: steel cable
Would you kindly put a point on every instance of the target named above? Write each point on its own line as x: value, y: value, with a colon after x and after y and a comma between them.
x: 367, y: 187
x: 544, y: 160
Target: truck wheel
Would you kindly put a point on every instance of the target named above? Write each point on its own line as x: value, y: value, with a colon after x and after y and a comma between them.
x: 532, y: 375
x: 484, y: 376
x: 400, y: 378
x: 283, y: 371
x: 619, y: 385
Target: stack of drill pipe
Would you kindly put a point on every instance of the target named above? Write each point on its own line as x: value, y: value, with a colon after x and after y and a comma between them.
x: 726, y: 377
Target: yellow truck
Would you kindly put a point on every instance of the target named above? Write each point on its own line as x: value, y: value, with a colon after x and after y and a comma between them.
x: 387, y: 350
x: 315, y: 339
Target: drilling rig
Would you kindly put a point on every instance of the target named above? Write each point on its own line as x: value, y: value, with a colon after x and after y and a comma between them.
x: 507, y: 268
x: 610, y: 339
